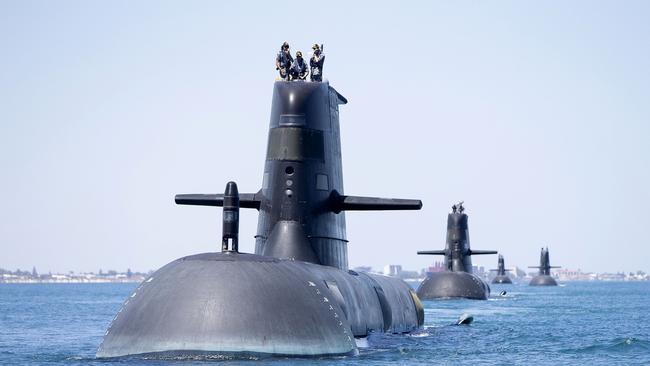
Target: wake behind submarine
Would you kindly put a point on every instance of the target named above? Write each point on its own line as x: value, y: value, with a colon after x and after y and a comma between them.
x: 295, y: 296
x: 457, y: 281
x: 544, y: 277
x: 501, y: 270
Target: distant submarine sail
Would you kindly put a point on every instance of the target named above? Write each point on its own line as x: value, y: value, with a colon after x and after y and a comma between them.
x: 295, y: 296
x: 502, y: 276
x: 457, y: 281
x: 544, y: 277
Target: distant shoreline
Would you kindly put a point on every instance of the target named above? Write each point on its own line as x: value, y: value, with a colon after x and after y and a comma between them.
x: 71, y: 281
x: 138, y: 280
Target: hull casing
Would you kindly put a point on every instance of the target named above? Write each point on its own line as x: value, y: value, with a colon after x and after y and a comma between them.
x: 543, y: 280
x: 453, y: 285
x: 235, y: 303
x: 502, y: 279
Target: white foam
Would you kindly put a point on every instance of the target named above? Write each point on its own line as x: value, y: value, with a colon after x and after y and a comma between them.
x: 362, y: 342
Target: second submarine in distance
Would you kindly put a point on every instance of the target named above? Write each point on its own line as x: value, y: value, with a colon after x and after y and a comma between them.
x: 544, y: 277
x: 457, y: 281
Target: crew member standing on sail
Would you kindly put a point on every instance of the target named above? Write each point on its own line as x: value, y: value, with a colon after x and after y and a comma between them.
x: 283, y: 61
x: 316, y: 63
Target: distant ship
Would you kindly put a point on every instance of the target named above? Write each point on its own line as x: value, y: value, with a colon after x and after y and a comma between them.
x: 457, y: 281
x: 295, y: 296
x: 501, y: 276
x: 544, y: 277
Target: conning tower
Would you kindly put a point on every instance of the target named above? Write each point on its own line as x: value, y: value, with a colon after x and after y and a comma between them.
x: 302, y: 176
x: 301, y: 204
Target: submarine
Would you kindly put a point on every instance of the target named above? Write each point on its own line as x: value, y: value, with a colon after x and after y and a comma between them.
x: 501, y: 276
x: 294, y: 296
x: 544, y: 277
x: 457, y: 281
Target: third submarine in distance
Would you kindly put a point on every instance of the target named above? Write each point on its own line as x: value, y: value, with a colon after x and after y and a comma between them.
x: 544, y: 277
x: 502, y: 276
x: 295, y: 296
x: 457, y: 281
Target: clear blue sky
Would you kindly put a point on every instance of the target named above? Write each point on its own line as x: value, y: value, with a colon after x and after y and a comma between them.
x: 536, y: 114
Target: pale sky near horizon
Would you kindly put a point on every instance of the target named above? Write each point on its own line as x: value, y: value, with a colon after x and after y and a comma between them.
x: 536, y: 114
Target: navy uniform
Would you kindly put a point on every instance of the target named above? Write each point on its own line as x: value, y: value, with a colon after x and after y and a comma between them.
x: 298, y: 69
x: 316, y: 64
x: 283, y: 61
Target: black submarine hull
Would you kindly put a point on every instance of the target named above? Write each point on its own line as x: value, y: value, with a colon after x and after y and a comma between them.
x: 232, y: 303
x: 449, y: 284
x: 543, y: 280
x: 295, y: 296
x: 501, y: 279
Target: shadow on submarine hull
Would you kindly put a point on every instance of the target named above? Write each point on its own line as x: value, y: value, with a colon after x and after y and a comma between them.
x: 232, y: 303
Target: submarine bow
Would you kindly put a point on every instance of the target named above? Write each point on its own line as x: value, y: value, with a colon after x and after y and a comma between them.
x: 295, y: 296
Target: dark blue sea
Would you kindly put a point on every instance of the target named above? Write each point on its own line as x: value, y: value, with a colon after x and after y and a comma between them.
x: 591, y: 323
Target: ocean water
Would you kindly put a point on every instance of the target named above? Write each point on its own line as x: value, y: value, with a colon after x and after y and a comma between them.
x: 592, y: 323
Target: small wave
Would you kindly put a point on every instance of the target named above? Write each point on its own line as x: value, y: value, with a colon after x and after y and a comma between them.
x: 629, y: 344
x: 422, y: 333
x: 79, y: 358
x: 199, y: 357
x: 501, y: 298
